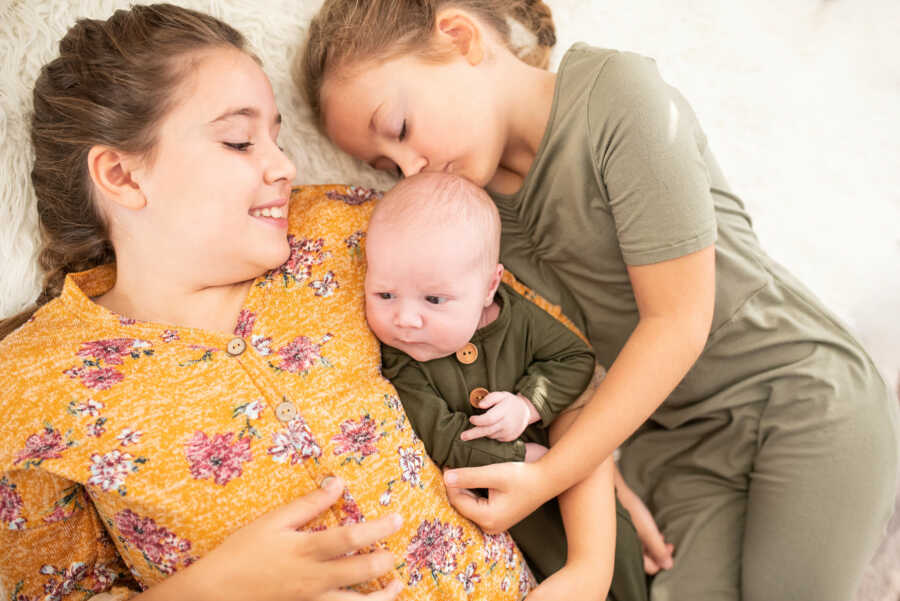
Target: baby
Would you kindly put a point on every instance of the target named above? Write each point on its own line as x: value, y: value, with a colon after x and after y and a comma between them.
x: 464, y: 348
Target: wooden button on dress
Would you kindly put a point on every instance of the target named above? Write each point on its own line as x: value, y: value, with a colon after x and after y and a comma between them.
x: 477, y: 395
x: 285, y: 411
x: 467, y: 354
x: 236, y: 346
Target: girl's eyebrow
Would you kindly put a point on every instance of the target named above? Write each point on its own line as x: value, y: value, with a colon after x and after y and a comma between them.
x: 247, y: 111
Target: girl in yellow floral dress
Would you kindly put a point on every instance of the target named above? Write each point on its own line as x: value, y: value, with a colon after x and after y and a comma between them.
x: 194, y: 410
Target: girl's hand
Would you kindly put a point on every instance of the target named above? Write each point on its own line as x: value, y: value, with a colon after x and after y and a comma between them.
x: 514, y: 491
x: 507, y: 417
x: 657, y: 552
x: 269, y: 560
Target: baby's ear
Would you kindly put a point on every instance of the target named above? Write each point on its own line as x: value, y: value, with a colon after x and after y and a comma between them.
x: 113, y: 174
x: 496, y: 278
x: 457, y: 28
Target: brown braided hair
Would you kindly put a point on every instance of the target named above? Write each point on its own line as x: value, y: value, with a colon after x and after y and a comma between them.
x: 112, y: 84
x: 346, y: 31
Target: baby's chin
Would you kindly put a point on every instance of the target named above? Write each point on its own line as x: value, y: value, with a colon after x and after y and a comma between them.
x: 422, y: 352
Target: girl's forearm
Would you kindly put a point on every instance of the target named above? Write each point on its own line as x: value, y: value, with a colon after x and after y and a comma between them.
x: 655, y: 358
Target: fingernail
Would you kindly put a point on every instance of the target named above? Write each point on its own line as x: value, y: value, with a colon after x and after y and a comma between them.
x: 667, y: 564
x: 327, y: 482
x: 450, y: 478
x: 396, y: 520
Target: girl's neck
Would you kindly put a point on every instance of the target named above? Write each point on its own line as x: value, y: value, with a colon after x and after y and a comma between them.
x: 141, y: 296
x: 529, y: 99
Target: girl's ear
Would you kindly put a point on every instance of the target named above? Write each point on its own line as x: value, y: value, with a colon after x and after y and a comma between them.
x: 113, y: 175
x: 458, y: 29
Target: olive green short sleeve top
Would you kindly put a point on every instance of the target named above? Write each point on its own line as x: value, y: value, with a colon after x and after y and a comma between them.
x: 623, y: 176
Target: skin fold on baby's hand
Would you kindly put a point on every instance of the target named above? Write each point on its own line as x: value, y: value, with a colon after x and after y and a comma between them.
x: 506, y: 417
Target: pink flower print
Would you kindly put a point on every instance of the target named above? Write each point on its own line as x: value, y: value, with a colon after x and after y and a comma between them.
x: 504, y: 584
x: 58, y: 514
x: 526, y: 580
x: 108, y: 471
x: 112, y: 350
x: 326, y: 285
x: 354, y: 242
x: 161, y: 548
x: 96, y: 428
x: 55, y: 590
x: 295, y: 443
x: 499, y: 547
x: 10, y: 505
x: 89, y: 407
x: 126, y: 321
x: 262, y: 344
x: 469, y: 578
x: 38, y: 447
x: 252, y: 409
x: 217, y: 457
x: 103, y: 577
x: 352, y: 514
x: 128, y: 436
x: 393, y: 402
x: 169, y: 335
x: 245, y: 322
x: 100, y: 378
x: 411, y: 464
x: 385, y: 498
x: 298, y: 356
x: 434, y: 547
x: 356, y: 437
x: 355, y: 195
x: 304, y: 254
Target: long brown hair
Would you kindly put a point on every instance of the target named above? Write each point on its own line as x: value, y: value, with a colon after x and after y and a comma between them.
x: 345, y: 32
x: 111, y: 85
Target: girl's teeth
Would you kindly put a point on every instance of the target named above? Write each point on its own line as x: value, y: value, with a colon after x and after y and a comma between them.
x: 274, y: 212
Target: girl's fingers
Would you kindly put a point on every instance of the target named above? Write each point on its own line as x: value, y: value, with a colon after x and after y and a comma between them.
x: 469, y: 505
x: 335, y: 542
x: 386, y: 594
x: 357, y: 568
x: 303, y: 509
x: 485, y: 476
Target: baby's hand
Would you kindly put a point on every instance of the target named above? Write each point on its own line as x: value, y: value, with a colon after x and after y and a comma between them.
x: 507, y: 418
x: 534, y: 451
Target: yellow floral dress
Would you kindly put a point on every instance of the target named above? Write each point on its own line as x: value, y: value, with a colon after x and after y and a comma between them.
x: 130, y: 449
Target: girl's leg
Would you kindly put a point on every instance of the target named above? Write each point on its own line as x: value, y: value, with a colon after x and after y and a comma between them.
x: 822, y: 488
x: 695, y: 481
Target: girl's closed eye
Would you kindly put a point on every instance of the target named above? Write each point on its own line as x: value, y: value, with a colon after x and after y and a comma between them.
x: 239, y: 146
x: 436, y: 300
x: 403, y: 132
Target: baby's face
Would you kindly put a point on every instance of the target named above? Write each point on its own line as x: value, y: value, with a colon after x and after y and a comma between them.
x: 425, y: 290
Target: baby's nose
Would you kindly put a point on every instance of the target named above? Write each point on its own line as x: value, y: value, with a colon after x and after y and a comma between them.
x: 406, y: 318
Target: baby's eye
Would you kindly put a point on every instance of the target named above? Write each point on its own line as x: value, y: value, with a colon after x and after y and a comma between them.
x: 239, y: 146
x: 436, y: 300
x: 384, y: 295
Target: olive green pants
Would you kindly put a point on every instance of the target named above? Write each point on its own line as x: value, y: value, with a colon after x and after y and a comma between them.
x: 784, y: 498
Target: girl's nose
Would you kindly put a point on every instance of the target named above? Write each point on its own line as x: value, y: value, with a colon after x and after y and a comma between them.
x: 413, y: 165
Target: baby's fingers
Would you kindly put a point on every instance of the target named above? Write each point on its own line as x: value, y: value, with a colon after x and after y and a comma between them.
x: 492, y: 399
x: 480, y: 432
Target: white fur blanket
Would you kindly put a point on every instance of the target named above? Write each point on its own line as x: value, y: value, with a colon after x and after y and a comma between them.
x: 799, y: 100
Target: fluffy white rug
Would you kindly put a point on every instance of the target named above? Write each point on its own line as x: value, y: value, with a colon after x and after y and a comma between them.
x: 799, y: 100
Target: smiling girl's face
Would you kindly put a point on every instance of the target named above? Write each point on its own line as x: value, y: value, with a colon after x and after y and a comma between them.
x: 217, y: 185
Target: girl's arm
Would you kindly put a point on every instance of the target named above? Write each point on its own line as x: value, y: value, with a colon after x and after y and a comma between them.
x: 675, y: 300
x: 589, y: 516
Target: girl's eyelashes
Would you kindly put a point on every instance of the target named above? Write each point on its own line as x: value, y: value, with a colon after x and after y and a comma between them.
x: 239, y: 146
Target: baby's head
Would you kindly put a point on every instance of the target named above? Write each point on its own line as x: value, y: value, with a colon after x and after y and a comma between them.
x: 432, y: 250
